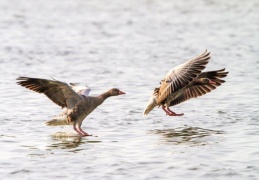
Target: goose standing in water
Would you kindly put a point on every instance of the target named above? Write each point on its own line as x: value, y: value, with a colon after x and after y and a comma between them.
x: 78, y: 105
x: 184, y: 82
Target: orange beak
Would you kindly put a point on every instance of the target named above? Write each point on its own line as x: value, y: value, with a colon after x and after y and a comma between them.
x: 120, y: 93
x: 211, y: 82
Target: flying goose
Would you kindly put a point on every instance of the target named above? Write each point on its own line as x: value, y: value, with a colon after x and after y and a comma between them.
x: 184, y: 82
x: 78, y: 105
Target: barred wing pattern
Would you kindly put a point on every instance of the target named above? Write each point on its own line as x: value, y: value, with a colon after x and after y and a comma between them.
x: 193, y: 91
x: 181, y: 76
x: 214, y: 76
x: 57, y: 91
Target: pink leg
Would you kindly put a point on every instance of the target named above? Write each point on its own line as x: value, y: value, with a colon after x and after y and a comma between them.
x: 74, y: 127
x: 173, y: 113
x: 83, y: 132
x: 169, y: 112
x: 163, y: 107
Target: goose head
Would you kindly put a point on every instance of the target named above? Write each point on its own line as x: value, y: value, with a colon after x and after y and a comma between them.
x: 150, y: 105
x: 115, y: 92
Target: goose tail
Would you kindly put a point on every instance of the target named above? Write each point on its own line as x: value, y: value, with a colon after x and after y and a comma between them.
x: 58, y: 121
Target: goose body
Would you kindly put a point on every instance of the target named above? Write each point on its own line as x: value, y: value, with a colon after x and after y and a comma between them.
x: 62, y: 119
x: 78, y: 105
x: 184, y: 82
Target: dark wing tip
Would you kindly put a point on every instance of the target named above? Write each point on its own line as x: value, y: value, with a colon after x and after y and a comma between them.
x: 34, y: 84
x: 22, y: 78
x: 223, y: 70
x: 221, y: 73
x: 50, y: 88
x: 206, y: 53
x: 74, y: 84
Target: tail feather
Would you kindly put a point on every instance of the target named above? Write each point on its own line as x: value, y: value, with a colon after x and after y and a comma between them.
x: 57, y: 122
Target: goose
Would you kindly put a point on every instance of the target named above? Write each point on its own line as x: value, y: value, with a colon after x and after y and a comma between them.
x: 184, y: 82
x: 74, y: 99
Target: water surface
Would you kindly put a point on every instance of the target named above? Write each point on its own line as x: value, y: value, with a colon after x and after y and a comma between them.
x: 129, y: 45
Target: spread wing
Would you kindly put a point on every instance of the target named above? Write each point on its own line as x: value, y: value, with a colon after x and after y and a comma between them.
x: 57, y: 91
x: 181, y: 76
x: 214, y: 76
x: 193, y: 91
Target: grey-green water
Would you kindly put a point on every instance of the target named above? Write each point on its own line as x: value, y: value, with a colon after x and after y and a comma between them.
x: 129, y: 45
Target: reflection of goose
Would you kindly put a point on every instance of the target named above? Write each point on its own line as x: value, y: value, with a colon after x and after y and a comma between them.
x: 78, y: 105
x: 185, y: 135
x: 184, y: 82
x: 66, y: 142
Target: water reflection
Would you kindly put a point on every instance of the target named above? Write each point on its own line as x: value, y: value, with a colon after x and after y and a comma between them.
x: 69, y: 142
x: 66, y: 142
x: 188, y: 135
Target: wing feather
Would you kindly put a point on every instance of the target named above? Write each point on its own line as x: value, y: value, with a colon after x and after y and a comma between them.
x: 80, y: 89
x: 181, y: 76
x: 57, y: 91
x: 193, y: 91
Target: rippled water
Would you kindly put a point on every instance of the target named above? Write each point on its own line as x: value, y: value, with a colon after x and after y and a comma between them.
x: 129, y: 45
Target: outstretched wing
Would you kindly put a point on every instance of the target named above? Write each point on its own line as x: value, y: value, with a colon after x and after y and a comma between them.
x: 57, y: 91
x: 214, y: 76
x: 193, y: 91
x: 181, y: 76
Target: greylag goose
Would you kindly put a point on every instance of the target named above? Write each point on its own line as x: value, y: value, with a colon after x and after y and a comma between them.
x: 78, y: 105
x: 184, y: 82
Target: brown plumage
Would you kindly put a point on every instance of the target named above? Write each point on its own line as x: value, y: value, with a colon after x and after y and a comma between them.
x: 184, y: 82
x: 77, y: 106
x: 181, y: 76
x: 200, y: 86
x: 59, y: 92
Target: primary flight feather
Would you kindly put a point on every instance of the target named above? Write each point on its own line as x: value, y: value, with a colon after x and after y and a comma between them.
x: 184, y: 82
